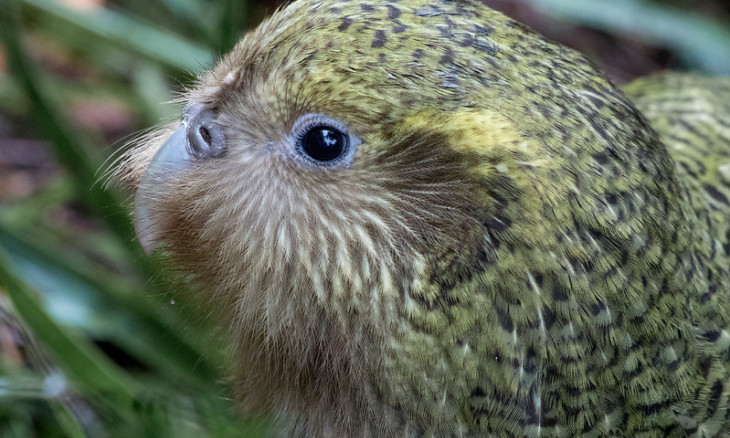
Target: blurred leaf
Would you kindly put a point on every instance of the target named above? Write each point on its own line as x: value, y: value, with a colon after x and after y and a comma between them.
x: 71, y: 150
x: 68, y: 422
x: 150, y: 87
x: 91, y: 371
x: 78, y: 293
x: 119, y: 29
x: 229, y: 28
x: 699, y: 39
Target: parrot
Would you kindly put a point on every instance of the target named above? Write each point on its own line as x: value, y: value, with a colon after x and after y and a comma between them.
x: 424, y: 219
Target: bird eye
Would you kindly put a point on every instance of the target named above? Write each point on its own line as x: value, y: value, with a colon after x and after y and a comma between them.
x: 204, y: 136
x: 323, y: 141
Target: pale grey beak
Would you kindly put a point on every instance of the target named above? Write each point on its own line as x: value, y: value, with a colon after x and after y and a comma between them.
x: 198, y: 137
x: 172, y: 156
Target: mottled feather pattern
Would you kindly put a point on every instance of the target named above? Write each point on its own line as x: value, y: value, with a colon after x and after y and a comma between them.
x: 514, y: 250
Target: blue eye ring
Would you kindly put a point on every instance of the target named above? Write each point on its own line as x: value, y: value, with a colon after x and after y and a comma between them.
x: 322, y: 141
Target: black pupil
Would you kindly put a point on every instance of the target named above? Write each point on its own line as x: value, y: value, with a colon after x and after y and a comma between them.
x: 324, y: 144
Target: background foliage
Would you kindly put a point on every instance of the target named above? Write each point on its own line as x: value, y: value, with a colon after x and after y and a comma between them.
x: 94, y: 341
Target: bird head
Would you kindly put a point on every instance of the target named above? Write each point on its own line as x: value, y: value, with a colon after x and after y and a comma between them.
x: 350, y: 171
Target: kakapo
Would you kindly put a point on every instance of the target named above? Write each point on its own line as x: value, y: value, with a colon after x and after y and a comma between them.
x: 423, y: 219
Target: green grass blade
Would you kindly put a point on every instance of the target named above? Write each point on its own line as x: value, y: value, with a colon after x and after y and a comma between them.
x: 72, y: 151
x: 122, y: 311
x: 131, y: 34
x: 67, y: 421
x: 92, y: 372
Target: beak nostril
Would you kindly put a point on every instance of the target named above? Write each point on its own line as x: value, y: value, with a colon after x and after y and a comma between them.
x: 205, y: 137
x: 205, y: 134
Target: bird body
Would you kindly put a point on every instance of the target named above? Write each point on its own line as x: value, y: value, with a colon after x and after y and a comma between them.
x: 424, y: 219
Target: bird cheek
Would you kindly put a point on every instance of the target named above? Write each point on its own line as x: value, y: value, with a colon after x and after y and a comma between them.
x: 172, y: 157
